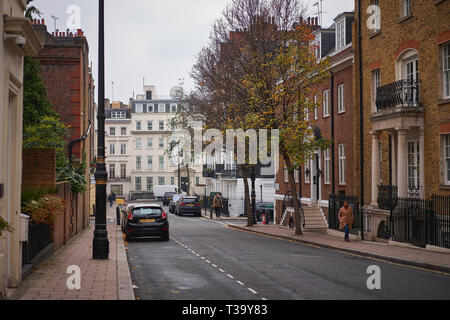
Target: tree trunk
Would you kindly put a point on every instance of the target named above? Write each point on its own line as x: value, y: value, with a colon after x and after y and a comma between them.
x: 287, y: 161
x: 188, y: 180
x: 247, y: 197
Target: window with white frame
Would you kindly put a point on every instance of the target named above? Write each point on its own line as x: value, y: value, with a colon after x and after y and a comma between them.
x: 342, y: 160
x: 150, y: 143
x: 150, y: 163
x: 447, y: 158
x: 446, y: 69
x: 172, y: 181
x: 340, y: 34
x: 307, y: 114
x: 307, y: 172
x: 138, y: 183
x: 406, y: 7
x: 173, y: 108
x: 112, y: 149
x: 316, y: 114
x: 318, y: 49
x: 326, y: 165
x: 138, y: 163
x: 112, y: 131
x: 286, y: 174
x: 149, y: 183
x: 112, y: 171
x: 161, y: 143
x: 376, y: 83
x: 138, y: 125
x: 161, y: 181
x: 162, y: 108
x: 197, y: 180
x: 123, y: 149
x: 139, y: 108
x: 341, y: 100
x: 118, y: 114
x: 161, y: 163
x: 138, y: 143
x: 123, y: 131
x: 377, y: 13
x: 326, y: 103
x: 149, y: 125
x: 161, y: 126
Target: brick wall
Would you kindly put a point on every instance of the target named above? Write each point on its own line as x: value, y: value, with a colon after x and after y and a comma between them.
x: 426, y: 29
x: 39, y: 168
x: 61, y: 230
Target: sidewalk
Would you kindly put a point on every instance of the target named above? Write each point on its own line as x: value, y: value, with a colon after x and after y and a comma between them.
x: 100, y: 279
x: 207, y: 215
x: 415, y: 257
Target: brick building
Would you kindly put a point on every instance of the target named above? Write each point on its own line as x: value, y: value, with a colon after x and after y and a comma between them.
x: 329, y: 172
x: 405, y: 54
x: 70, y: 89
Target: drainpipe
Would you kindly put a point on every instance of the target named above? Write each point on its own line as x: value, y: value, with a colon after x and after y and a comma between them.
x: 361, y: 116
x: 361, y: 119
x: 333, y: 156
x: 71, y: 144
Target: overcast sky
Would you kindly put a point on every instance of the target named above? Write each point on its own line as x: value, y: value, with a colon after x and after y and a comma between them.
x: 153, y: 39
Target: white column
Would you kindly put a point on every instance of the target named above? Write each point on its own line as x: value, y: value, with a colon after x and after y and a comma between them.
x: 402, y: 164
x: 394, y: 159
x: 375, y: 167
x: 422, y: 162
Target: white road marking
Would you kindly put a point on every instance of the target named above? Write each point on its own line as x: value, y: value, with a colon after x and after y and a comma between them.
x: 239, y: 282
x: 230, y: 276
x: 207, y: 261
x: 214, y: 265
x: 264, y: 299
x: 203, y: 258
x: 252, y: 291
x: 221, y: 270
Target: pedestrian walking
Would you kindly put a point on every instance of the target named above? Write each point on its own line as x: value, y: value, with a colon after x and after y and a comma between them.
x: 346, y: 218
x: 112, y: 198
x: 217, y: 204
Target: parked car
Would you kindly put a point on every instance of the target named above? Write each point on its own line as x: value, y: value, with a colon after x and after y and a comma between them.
x: 167, y: 198
x: 189, y: 206
x: 174, y: 202
x: 159, y: 191
x: 146, y: 220
x: 124, y: 215
x: 264, y: 207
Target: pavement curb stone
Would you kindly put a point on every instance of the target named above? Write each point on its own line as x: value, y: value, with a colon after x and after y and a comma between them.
x: 124, y: 284
x: 427, y: 266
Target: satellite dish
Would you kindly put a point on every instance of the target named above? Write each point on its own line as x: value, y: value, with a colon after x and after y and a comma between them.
x: 176, y: 93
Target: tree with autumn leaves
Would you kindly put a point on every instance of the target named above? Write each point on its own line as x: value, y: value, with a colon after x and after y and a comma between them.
x: 260, y: 71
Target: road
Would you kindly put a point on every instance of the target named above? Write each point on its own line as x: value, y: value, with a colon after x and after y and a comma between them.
x: 205, y: 260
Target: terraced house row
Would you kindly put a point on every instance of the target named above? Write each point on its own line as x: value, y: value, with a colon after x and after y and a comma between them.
x: 386, y: 110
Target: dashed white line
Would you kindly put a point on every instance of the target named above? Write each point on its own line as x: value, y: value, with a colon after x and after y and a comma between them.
x: 264, y: 299
x: 221, y: 270
x: 207, y: 261
x: 252, y: 291
x: 215, y: 266
x: 230, y: 276
x: 203, y: 258
x: 239, y: 282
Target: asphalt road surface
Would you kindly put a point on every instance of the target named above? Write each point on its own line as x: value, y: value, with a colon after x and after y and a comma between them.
x: 205, y: 260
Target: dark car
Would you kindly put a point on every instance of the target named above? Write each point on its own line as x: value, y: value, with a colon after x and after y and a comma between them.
x: 189, y: 206
x: 264, y: 207
x: 167, y: 198
x: 146, y: 220
x: 174, y: 202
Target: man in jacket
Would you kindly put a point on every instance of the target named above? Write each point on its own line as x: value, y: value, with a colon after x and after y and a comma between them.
x: 217, y: 204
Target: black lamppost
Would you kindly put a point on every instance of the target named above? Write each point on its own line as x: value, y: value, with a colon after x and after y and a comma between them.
x: 253, y: 196
x: 100, y: 244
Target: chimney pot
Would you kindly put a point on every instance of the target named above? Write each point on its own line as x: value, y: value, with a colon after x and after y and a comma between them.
x: 43, y: 21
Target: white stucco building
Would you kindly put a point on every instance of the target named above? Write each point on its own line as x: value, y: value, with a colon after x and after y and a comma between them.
x: 138, y: 141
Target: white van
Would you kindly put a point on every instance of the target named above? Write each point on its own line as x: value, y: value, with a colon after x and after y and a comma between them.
x: 161, y: 190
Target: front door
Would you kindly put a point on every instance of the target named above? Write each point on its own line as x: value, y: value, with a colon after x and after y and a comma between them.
x: 413, y: 168
x: 316, y: 179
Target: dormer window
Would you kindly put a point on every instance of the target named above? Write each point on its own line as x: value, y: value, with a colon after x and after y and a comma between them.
x: 318, y: 47
x: 340, y: 34
x: 139, y: 108
x: 118, y: 114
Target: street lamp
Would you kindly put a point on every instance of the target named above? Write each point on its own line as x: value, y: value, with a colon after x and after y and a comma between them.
x: 100, y: 245
x: 253, y: 195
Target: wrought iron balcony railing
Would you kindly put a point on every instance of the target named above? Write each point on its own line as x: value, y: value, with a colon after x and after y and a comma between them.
x: 403, y: 93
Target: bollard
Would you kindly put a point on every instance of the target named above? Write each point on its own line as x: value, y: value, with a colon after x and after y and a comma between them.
x: 118, y: 215
x: 264, y: 218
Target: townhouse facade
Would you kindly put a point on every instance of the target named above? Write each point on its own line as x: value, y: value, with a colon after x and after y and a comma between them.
x: 18, y: 40
x: 138, y: 142
x: 67, y: 75
x: 405, y: 63
x: 329, y: 172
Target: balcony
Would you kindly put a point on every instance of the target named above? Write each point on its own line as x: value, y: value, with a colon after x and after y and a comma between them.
x: 118, y: 178
x: 404, y: 93
x: 220, y: 169
x: 398, y: 105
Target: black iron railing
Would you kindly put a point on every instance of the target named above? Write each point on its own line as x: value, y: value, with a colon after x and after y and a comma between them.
x: 399, y: 93
x: 387, y: 196
x: 439, y: 222
x: 39, y: 237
